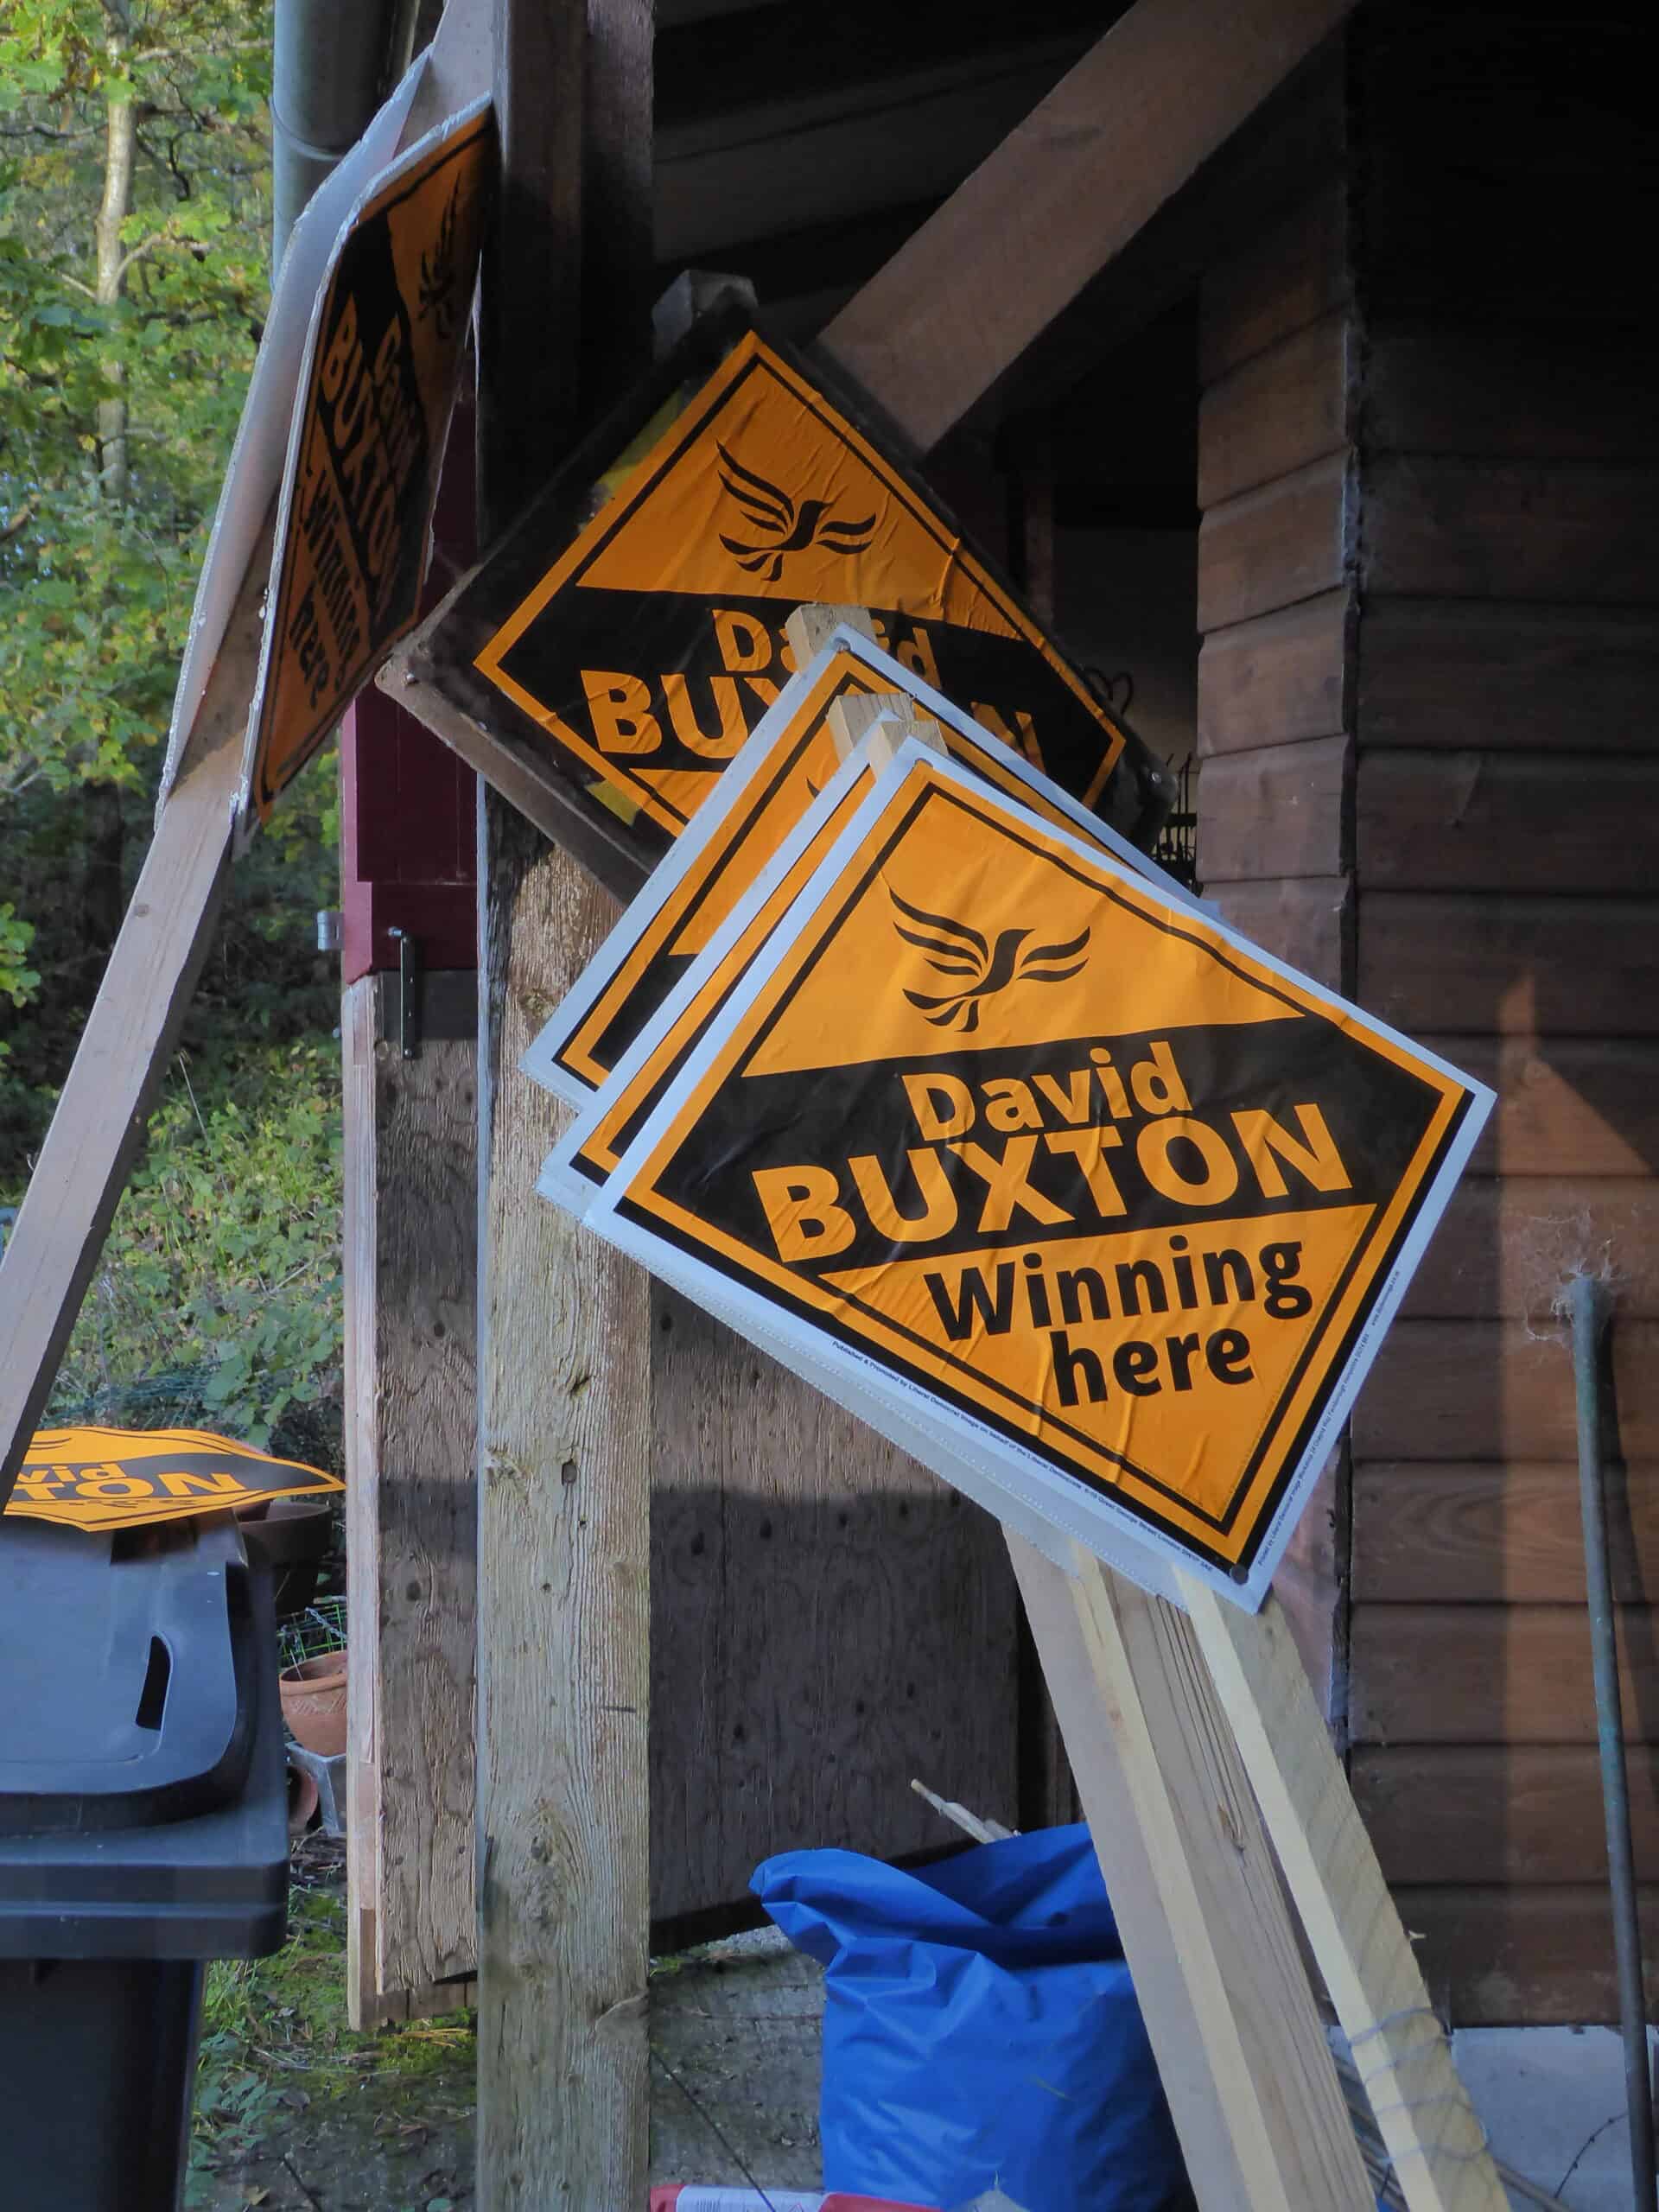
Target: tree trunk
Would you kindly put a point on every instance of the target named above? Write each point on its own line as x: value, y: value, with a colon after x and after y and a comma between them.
x: 120, y: 139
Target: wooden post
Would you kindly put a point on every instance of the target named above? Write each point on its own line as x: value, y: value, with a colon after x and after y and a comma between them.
x: 564, y: 1395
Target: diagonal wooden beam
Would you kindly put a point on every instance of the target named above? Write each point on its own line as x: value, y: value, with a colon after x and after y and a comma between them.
x: 1012, y: 248
x: 1232, y: 2020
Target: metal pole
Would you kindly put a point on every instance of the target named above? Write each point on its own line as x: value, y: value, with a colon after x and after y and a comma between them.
x: 1589, y: 1319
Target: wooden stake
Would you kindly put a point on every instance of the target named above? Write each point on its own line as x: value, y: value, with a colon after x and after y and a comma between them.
x: 1433, y: 2135
x: 1240, y: 2046
x: 809, y: 629
x: 102, y: 1114
x: 881, y: 722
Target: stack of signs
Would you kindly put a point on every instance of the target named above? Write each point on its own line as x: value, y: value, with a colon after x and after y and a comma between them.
x: 625, y: 640
x: 949, y: 1099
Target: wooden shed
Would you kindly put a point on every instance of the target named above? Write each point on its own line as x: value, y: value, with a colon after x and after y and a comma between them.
x: 1298, y: 359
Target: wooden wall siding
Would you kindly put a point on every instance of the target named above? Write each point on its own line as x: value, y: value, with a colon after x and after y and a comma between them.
x: 1498, y: 1390
x: 1275, y: 711
x: 1470, y: 673
x: 1510, y: 1813
x: 1591, y: 1102
x: 1460, y: 1532
x: 1283, y: 542
x: 1505, y: 823
x: 1536, y: 1954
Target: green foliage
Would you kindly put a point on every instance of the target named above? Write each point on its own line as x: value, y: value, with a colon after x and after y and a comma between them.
x: 224, y: 1258
x: 275, y: 2044
x: 134, y: 227
x: 97, y: 569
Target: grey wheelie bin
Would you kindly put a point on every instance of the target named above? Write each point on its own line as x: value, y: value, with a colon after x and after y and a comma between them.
x: 143, y: 1831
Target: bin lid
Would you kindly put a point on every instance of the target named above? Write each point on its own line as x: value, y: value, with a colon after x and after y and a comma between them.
x: 124, y: 1674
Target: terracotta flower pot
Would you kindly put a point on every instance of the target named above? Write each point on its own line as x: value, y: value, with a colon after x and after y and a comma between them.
x: 314, y: 1703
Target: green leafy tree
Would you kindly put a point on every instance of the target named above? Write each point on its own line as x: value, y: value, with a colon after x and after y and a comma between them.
x: 135, y: 165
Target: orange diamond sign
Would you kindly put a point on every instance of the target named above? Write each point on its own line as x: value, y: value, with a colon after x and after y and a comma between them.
x: 633, y: 624
x: 1013, y: 1142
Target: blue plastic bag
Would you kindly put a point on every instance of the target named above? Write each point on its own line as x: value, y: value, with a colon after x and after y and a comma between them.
x: 980, y: 2030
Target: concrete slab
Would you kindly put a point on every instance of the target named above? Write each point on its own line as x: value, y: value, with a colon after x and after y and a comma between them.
x: 1553, y: 2099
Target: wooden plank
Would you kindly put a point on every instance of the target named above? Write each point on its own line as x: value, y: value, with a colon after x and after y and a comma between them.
x: 1279, y: 813
x: 1272, y: 547
x: 1498, y: 1390
x: 1114, y: 140
x: 98, y: 1123
x: 1505, y: 1248
x: 1430, y: 2130
x: 777, y: 1521
x: 1592, y: 1102
x: 1305, y: 922
x: 1499, y: 1957
x: 1521, y: 1674
x: 1580, y: 391
x: 1561, y: 678
x: 1514, y: 1813
x: 1277, y: 680
x: 411, y: 1270
x: 564, y: 1394
x: 1295, y: 272
x: 1507, y: 1534
x: 1514, y: 530
x: 564, y: 1582
x: 1260, y: 175
x: 1275, y: 412
x: 1510, y: 823
x: 1217, y: 1967
x: 1436, y: 962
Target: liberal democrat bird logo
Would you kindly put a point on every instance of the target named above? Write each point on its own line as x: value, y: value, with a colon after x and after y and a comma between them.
x: 953, y: 949
x: 780, y: 526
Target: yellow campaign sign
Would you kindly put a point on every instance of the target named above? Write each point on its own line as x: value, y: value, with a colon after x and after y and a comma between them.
x: 93, y: 1478
x: 641, y: 633
x: 1101, y: 1179
x: 801, y: 760
x: 353, y: 528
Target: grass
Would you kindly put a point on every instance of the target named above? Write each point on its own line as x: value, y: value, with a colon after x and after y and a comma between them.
x: 276, y: 2051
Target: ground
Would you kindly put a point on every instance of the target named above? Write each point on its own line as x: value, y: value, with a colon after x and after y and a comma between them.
x: 295, y: 2113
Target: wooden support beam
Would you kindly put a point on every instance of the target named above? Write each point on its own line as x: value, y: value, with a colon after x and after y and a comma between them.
x: 411, y: 1270
x: 1014, y: 246
x: 1233, y: 2021
x: 564, y: 1340
x: 1427, y: 2124
x: 101, y: 1116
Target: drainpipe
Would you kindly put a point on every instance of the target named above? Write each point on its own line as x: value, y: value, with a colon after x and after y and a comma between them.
x: 332, y: 62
